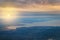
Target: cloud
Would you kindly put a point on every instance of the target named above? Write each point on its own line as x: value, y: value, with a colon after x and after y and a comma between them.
x: 54, y: 23
x: 47, y: 23
x: 31, y: 2
x: 34, y: 21
x: 32, y: 5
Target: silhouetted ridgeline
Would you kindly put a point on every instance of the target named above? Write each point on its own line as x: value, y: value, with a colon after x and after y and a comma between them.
x: 31, y: 33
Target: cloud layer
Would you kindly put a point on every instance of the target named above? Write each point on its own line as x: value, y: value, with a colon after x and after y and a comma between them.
x: 31, y: 1
x: 32, y: 5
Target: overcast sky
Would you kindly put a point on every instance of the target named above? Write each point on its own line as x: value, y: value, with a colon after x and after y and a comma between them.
x: 31, y: 1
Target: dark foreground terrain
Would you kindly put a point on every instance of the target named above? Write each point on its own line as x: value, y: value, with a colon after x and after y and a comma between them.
x: 31, y: 33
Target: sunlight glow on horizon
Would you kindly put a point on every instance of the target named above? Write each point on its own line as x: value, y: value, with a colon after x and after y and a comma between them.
x: 8, y: 14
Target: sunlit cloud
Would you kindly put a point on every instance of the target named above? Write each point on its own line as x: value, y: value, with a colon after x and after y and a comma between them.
x: 10, y: 28
x: 32, y: 5
x: 41, y: 8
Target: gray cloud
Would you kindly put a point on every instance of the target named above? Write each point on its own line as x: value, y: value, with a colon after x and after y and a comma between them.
x: 48, y: 23
x: 24, y: 2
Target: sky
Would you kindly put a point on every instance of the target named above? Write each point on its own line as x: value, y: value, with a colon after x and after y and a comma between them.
x: 30, y: 19
x: 10, y: 9
x: 31, y: 1
x: 32, y: 5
